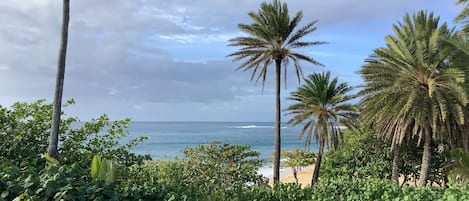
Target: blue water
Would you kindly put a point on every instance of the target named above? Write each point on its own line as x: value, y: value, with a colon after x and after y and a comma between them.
x: 167, y: 139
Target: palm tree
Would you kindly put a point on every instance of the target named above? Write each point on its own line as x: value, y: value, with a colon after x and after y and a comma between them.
x: 272, y: 37
x: 411, y: 89
x: 461, y: 58
x: 321, y: 103
x: 463, y: 16
x: 59, y: 84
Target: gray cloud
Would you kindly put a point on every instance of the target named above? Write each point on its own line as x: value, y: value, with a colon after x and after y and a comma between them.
x: 138, y: 57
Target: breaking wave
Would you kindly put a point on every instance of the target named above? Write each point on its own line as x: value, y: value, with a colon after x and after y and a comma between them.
x: 253, y: 126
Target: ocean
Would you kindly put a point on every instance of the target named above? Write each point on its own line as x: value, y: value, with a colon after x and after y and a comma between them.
x: 167, y: 139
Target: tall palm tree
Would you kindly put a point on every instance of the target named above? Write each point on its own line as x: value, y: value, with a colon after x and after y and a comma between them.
x: 59, y: 84
x: 272, y: 37
x: 321, y: 103
x: 411, y: 89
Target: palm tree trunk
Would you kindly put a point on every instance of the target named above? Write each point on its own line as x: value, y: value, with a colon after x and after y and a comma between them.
x: 295, y: 174
x: 277, y: 122
x: 54, y: 136
x: 317, y: 165
x: 465, y: 141
x: 329, y: 141
x: 395, y: 164
x: 426, y: 159
x: 336, y: 140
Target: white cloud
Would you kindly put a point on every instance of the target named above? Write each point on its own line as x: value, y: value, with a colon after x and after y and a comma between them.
x: 4, y: 67
x: 184, y: 38
x: 200, y: 38
x: 137, y: 107
x: 113, y: 91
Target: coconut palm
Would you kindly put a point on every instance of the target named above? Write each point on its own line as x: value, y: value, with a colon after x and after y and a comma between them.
x: 320, y: 104
x: 271, y: 39
x: 411, y: 89
x: 463, y: 17
x: 59, y: 84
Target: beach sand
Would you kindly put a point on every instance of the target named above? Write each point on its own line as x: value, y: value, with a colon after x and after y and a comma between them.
x: 304, y: 175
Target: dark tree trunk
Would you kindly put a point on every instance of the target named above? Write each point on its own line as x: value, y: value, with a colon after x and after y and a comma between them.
x: 465, y: 141
x: 336, y: 141
x: 395, y: 164
x: 426, y: 160
x: 317, y: 165
x: 329, y: 141
x: 59, y: 84
x: 277, y: 122
x: 295, y: 174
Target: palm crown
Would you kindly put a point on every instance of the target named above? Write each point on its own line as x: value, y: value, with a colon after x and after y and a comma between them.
x: 321, y: 103
x: 272, y: 37
x: 410, y: 84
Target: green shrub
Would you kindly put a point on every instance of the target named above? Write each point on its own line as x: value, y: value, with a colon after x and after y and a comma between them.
x: 210, y: 172
x: 25, y: 128
x: 362, y: 155
x: 55, y: 182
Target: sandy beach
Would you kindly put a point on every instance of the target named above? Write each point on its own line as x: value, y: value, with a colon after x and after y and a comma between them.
x: 304, y: 175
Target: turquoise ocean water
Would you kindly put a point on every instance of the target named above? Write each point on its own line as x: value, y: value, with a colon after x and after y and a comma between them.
x: 167, y: 139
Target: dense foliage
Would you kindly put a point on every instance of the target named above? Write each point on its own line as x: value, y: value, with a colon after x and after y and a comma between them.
x: 25, y: 128
x: 411, y: 89
x: 362, y: 155
x: 356, y: 171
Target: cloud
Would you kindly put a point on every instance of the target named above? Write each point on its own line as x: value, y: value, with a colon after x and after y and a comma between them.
x: 158, y: 60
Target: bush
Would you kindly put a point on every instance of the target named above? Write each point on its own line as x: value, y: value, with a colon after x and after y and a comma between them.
x: 25, y: 129
x: 210, y: 172
x: 24, y: 132
x: 55, y: 182
x: 361, y: 155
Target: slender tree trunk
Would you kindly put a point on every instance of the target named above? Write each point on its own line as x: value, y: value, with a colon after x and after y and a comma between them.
x: 465, y: 141
x: 295, y: 174
x: 277, y: 122
x: 317, y: 165
x: 54, y: 136
x: 426, y: 159
x: 329, y: 141
x: 395, y: 164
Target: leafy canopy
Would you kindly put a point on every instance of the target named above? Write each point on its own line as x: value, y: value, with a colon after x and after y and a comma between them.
x: 321, y: 103
x: 272, y: 37
x: 410, y: 86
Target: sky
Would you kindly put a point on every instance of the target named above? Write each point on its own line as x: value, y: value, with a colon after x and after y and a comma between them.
x: 166, y: 60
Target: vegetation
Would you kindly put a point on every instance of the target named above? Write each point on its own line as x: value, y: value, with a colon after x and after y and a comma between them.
x: 415, y: 90
x: 101, y: 169
x: 463, y: 16
x: 321, y: 103
x: 273, y: 37
x: 411, y: 90
x: 458, y: 167
x: 296, y: 159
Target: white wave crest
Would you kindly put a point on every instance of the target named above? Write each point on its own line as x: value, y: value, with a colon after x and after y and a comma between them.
x: 254, y: 126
